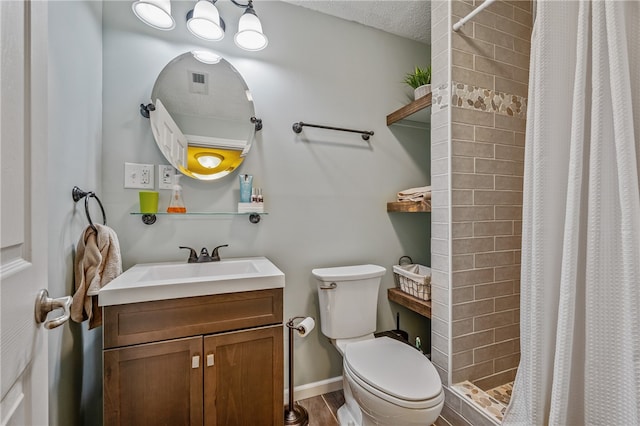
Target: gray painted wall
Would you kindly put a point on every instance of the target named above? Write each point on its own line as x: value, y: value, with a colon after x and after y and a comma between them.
x: 75, y: 158
x: 325, y: 192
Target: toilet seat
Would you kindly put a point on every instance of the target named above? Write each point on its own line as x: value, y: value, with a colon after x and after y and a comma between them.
x: 394, y: 372
x: 410, y: 405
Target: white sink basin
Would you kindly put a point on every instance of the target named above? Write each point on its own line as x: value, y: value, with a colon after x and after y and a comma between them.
x: 171, y: 280
x: 216, y: 270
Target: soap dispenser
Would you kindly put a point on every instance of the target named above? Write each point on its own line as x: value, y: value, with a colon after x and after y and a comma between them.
x: 176, y: 205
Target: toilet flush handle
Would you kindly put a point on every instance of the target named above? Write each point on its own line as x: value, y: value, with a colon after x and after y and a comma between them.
x: 329, y: 287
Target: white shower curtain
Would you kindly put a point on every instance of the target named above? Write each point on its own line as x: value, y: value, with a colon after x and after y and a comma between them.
x: 580, y: 288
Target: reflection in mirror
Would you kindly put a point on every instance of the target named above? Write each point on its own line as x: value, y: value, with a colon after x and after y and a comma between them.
x: 204, y: 120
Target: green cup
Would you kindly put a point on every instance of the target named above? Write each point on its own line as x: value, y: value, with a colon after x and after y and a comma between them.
x: 148, y: 201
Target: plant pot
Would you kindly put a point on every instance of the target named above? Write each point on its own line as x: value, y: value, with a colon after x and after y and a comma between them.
x: 421, y: 91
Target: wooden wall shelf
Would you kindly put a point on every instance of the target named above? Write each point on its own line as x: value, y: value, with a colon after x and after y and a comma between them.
x: 409, y: 109
x: 423, y: 307
x: 409, y: 206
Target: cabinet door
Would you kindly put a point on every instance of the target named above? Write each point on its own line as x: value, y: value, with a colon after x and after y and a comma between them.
x: 243, y: 378
x: 154, y: 384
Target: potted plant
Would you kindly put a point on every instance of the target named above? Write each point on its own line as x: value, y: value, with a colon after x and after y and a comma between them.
x: 420, y: 81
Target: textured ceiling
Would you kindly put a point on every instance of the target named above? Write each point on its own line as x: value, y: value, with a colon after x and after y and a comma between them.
x: 405, y: 18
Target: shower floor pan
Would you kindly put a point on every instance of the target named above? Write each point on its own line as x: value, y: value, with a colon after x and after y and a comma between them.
x: 492, y: 402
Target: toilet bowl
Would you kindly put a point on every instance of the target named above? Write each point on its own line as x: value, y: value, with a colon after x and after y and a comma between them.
x: 391, y: 383
x: 385, y: 382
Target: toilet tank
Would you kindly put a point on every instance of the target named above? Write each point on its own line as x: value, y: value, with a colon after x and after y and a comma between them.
x: 348, y: 298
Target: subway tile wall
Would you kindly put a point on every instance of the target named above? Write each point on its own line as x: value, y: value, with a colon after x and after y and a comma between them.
x: 490, y: 72
x: 477, y: 196
x: 440, y: 171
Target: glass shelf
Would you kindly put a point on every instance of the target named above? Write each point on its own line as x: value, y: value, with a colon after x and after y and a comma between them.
x: 150, y: 218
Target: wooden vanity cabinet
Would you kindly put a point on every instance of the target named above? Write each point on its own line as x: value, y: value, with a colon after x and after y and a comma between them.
x: 208, y: 360
x: 241, y: 390
x: 153, y: 384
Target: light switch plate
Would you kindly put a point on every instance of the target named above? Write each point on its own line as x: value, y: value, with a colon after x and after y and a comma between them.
x: 138, y: 176
x: 165, y: 176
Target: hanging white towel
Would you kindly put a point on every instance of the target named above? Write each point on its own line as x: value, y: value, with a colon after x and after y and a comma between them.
x: 415, y: 194
x: 97, y: 262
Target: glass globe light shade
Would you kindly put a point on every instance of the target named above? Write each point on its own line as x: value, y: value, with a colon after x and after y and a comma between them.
x: 204, y: 21
x: 155, y: 13
x: 250, y: 36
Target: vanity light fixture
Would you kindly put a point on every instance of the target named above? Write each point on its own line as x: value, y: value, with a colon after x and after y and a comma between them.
x: 155, y: 13
x: 204, y: 21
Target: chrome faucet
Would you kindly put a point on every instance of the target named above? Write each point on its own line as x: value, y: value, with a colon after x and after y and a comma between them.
x: 204, y: 255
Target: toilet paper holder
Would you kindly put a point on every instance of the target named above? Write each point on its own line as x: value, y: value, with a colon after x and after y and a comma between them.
x: 295, y: 414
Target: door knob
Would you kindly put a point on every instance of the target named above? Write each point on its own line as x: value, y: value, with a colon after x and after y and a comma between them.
x: 45, y: 304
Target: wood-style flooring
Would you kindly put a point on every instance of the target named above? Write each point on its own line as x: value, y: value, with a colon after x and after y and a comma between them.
x: 323, y: 409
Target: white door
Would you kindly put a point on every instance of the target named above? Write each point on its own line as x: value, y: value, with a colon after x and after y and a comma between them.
x: 23, y: 211
x: 173, y: 142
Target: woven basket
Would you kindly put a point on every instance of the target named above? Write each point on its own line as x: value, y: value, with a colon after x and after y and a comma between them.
x: 413, y: 279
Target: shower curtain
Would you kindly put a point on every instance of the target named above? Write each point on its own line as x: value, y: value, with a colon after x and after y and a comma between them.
x: 580, y: 287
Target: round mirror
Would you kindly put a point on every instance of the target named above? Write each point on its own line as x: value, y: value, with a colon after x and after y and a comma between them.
x: 202, y: 116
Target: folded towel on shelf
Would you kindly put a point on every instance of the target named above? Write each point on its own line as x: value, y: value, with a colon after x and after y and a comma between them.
x: 97, y: 262
x: 415, y: 194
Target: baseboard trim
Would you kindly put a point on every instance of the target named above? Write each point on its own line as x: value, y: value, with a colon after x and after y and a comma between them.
x: 314, y: 389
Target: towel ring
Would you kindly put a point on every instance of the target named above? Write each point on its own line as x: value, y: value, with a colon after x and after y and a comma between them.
x: 78, y: 194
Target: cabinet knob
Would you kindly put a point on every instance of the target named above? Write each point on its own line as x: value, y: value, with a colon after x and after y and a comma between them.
x: 210, y: 360
x: 195, y: 361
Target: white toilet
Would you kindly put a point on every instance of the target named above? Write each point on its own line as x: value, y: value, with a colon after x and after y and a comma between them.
x: 386, y: 382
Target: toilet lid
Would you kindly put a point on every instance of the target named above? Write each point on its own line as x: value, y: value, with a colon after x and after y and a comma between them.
x: 348, y: 273
x: 394, y: 368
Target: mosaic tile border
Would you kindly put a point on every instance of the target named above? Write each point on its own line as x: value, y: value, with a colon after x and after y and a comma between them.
x: 480, y: 99
x: 477, y: 98
x: 440, y: 96
x: 485, y: 403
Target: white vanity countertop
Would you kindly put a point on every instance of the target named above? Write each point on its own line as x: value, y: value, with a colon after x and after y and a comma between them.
x: 172, y: 280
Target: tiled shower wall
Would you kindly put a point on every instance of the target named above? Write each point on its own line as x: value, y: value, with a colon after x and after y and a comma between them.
x: 441, y: 206
x: 490, y: 72
x: 480, y: 77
